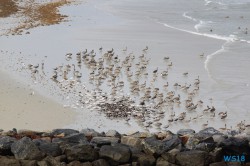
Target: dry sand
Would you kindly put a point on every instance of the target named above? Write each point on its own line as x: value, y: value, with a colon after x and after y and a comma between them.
x: 22, y: 109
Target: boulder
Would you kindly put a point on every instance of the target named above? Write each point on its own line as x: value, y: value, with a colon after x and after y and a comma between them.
x: 207, y: 132
x: 5, y: 145
x: 66, y: 132
x: 113, y: 133
x: 26, y: 149
x: 185, y: 132
x: 100, y: 141
x: 100, y: 162
x: 170, y: 156
x: 161, y: 162
x: 81, y: 153
x: 28, y: 162
x: 91, y: 133
x: 51, y: 149
x: 131, y: 141
x: 192, y: 158
x: 218, y: 164
x: 218, y: 138
x: 146, y: 160
x: 6, y: 161
x: 156, y: 147
x: 118, y: 153
x: 205, y: 146
x: 235, y: 146
x: 140, y: 134
x: 216, y: 155
x: 73, y: 139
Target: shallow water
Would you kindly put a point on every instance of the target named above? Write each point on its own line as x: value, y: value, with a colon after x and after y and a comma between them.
x: 169, y: 29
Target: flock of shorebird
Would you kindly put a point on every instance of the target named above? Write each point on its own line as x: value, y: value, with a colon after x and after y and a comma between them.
x: 124, y: 87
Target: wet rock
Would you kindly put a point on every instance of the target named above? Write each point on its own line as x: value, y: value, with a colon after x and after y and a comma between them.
x: 73, y: 139
x: 146, y: 160
x: 198, y: 158
x: 170, y: 156
x: 156, y: 147
x: 81, y: 153
x: 118, y: 153
x: 51, y: 149
x: 6, y: 161
x: 100, y: 162
x: 113, y: 133
x: 162, y: 162
x: 131, y: 141
x: 185, y: 132
x: 100, y: 141
x: 26, y: 149
x: 66, y: 132
x: 5, y: 145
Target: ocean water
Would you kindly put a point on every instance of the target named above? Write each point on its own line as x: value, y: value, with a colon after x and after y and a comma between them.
x: 180, y: 29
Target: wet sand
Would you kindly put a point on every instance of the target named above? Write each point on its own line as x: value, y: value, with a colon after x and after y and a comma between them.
x: 21, y: 107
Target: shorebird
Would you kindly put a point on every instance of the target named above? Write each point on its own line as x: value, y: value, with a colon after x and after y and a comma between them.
x: 156, y: 70
x: 145, y: 49
x: 125, y: 49
x: 166, y: 58
x: 185, y: 74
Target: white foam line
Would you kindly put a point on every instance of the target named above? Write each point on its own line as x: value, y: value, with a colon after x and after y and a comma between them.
x: 189, y: 17
x: 201, y: 34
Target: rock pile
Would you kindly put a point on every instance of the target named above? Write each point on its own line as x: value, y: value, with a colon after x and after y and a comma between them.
x: 68, y: 147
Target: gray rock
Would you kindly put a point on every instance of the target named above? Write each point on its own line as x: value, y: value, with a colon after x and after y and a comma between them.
x: 218, y: 138
x: 236, y: 146
x: 5, y: 145
x: 78, y: 163
x: 91, y: 133
x: 43, y: 163
x: 140, y: 134
x: 185, y: 132
x: 6, y: 161
x: 199, y: 158
x: 73, y: 139
x: 52, y: 161
x: 192, y: 142
x: 81, y: 153
x: 156, y: 147
x: 146, y: 160
x: 131, y: 141
x: 64, y: 131
x: 118, y: 153
x: 205, y: 146
x: 26, y: 149
x: 61, y: 158
x: 161, y: 162
x: 113, y: 133
x: 170, y: 156
x: 100, y: 162
x: 100, y: 141
x: 51, y: 149
x: 216, y: 155
x: 208, y: 132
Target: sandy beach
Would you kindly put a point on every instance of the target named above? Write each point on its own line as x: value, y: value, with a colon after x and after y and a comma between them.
x: 113, y: 25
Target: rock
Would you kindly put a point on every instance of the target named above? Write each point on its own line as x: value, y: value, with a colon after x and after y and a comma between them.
x: 78, y: 163
x: 140, y: 134
x: 43, y: 163
x: 218, y: 164
x: 6, y: 161
x: 52, y: 161
x: 26, y: 149
x: 170, y: 156
x: 87, y: 164
x: 146, y: 160
x: 66, y: 132
x: 216, y: 155
x: 156, y: 147
x: 100, y: 141
x: 205, y: 146
x: 185, y: 132
x: 51, y: 149
x: 118, y: 153
x: 208, y: 132
x: 113, y: 133
x: 81, y: 153
x: 198, y: 158
x: 29, y: 133
x: 28, y: 162
x: 91, y: 133
x: 236, y: 146
x: 100, y: 162
x: 5, y: 145
x: 73, y: 139
x: 131, y: 141
x: 61, y: 158
x: 192, y: 142
x: 161, y: 162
